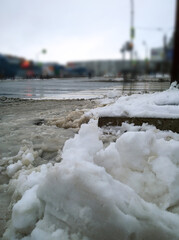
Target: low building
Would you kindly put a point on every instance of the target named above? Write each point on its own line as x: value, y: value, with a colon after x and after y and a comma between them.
x: 117, y: 67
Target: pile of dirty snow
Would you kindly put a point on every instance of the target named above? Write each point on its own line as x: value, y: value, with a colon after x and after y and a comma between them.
x: 126, y: 190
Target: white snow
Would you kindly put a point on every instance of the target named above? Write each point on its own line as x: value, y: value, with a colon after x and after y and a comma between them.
x: 13, y: 168
x: 126, y: 190
x: 164, y: 104
x: 113, y: 93
x: 27, y: 211
x: 25, y: 157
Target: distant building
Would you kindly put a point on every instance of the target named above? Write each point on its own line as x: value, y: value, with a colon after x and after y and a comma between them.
x: 162, y: 56
x: 157, y: 54
x: 116, y: 67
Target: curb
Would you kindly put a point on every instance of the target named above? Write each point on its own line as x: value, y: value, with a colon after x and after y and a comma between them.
x: 160, y: 123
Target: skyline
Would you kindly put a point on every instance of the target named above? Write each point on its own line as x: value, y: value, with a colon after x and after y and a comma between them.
x: 75, y: 30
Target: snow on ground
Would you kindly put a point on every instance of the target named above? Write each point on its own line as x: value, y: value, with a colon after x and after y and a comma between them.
x: 125, y: 190
x: 163, y: 104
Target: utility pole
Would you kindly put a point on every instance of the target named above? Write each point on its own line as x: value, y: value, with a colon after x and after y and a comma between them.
x: 175, y: 63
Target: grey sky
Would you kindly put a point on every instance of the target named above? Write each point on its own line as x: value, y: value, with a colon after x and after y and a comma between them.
x: 81, y: 29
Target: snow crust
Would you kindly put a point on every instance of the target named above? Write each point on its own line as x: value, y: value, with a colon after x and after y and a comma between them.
x: 127, y: 190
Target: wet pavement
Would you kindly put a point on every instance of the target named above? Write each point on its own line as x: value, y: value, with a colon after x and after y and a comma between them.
x: 77, y: 87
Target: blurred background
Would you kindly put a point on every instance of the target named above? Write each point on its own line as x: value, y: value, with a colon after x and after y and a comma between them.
x: 76, y: 38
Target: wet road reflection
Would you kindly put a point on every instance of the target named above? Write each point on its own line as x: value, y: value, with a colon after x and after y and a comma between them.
x: 59, y: 88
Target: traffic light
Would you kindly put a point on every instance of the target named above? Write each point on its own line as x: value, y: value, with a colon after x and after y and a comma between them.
x: 129, y: 46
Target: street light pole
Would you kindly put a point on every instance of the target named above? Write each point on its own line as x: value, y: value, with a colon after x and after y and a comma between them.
x: 132, y: 29
x: 146, y: 50
x: 146, y: 56
x: 164, y: 66
x: 43, y: 51
x: 175, y: 63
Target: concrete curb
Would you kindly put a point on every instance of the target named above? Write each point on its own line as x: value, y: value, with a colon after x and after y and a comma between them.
x: 159, y: 123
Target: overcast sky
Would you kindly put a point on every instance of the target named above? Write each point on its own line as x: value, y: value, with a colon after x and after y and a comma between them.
x: 81, y: 29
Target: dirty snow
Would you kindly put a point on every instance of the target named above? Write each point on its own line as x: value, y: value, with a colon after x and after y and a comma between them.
x: 127, y: 189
